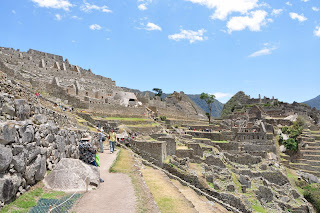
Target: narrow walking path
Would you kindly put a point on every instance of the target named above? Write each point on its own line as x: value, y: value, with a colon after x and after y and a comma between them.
x: 115, y: 195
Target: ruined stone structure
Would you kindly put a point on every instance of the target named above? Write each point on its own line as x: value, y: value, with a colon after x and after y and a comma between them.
x: 83, y: 89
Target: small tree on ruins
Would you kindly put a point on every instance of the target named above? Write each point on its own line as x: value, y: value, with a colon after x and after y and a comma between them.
x: 209, y: 99
x: 158, y: 91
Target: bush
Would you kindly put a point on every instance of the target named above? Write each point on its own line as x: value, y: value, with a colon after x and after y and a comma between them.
x: 312, y: 194
x: 291, y: 144
x: 163, y: 118
x: 284, y: 129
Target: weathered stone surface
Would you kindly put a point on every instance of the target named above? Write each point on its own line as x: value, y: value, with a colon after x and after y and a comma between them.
x: 216, y: 161
x: 16, y: 149
x: 8, y: 133
x: 60, y: 141
x: 8, y: 109
x: 294, y: 194
x: 32, y: 169
x: 5, y: 157
x: 28, y: 134
x: 245, y: 181
x: 310, y: 178
x: 231, y: 188
x: 264, y: 194
x: 39, y: 175
x: 70, y: 175
x: 40, y: 119
x: 9, y: 185
x: 19, y: 162
x: 22, y: 109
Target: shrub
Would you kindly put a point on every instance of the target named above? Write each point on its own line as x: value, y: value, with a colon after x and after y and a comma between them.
x: 291, y: 144
x: 312, y: 194
x: 163, y: 118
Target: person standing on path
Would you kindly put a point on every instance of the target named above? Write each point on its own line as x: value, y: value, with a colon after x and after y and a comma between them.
x: 112, y: 140
x: 100, y: 133
x: 87, y: 151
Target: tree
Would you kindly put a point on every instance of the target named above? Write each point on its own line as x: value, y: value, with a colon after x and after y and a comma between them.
x: 209, y: 99
x: 158, y: 91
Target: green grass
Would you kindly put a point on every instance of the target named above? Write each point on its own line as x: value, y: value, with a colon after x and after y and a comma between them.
x: 220, y: 141
x: 126, y: 119
x: 29, y: 199
x: 256, y: 206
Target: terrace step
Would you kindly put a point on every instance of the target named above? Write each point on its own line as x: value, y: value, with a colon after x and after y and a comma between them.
x: 304, y: 167
x: 311, y: 157
x: 310, y: 152
x: 316, y: 143
x: 316, y: 173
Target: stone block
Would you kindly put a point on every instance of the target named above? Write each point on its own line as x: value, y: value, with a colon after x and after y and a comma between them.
x: 7, y: 133
x: 5, y: 157
x: 9, y: 185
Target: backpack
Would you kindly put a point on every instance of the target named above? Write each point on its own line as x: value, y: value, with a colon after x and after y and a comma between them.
x: 97, y: 160
x: 103, y: 138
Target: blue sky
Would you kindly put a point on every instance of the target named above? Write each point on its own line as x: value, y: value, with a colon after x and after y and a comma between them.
x: 270, y: 48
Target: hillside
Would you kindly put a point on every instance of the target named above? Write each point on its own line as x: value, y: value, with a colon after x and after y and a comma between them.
x: 217, y: 106
x: 315, y: 102
x: 237, y: 99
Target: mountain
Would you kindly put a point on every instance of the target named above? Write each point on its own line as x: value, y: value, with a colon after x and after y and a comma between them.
x: 237, y: 99
x: 216, y: 109
x: 217, y: 105
x: 315, y: 102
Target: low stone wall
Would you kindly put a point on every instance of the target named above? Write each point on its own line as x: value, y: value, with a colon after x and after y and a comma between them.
x: 155, y: 152
x: 171, y: 144
x: 215, y: 136
x: 245, y: 159
x: 185, y: 153
x: 28, y: 150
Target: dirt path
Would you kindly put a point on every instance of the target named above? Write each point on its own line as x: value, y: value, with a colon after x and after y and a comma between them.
x: 115, y: 195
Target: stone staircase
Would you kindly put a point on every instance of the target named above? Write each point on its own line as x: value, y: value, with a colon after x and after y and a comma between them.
x: 309, y: 154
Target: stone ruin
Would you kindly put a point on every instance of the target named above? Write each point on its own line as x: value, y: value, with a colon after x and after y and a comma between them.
x: 83, y: 89
x: 33, y: 139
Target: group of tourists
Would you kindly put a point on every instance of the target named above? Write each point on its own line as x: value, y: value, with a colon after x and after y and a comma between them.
x: 89, y: 153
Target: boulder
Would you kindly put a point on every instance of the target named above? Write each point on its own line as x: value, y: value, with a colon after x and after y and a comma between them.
x: 22, y: 109
x: 7, y: 133
x: 70, y: 175
x: 31, y: 170
x: 39, y: 175
x: 5, y: 157
x: 282, y: 148
x: 231, y: 188
x: 9, y: 185
x: 8, y: 109
x: 28, y: 134
x: 310, y: 178
x: 245, y: 181
x: 40, y: 119
x: 264, y: 194
x: 19, y: 162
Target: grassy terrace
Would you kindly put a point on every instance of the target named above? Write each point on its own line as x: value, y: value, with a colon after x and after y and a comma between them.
x: 29, y: 199
x: 207, y: 139
x: 122, y: 119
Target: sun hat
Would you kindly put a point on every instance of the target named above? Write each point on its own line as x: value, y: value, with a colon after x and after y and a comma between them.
x: 86, y: 137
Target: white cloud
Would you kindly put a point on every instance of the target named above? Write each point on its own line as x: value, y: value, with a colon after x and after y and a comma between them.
x: 143, y: 4
x: 288, y: 3
x: 316, y: 9
x: 276, y: 12
x: 142, y: 7
x: 95, y: 27
x: 13, y: 11
x: 253, y: 21
x: 151, y: 26
x: 223, y: 8
x: 58, y: 17
x: 300, y: 18
x: 87, y: 7
x: 76, y: 17
x: 221, y: 96
x: 108, y: 39
x: 190, y: 35
x: 316, y: 32
x: 56, y: 4
x: 263, y: 51
x: 305, y: 0
x: 73, y: 41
